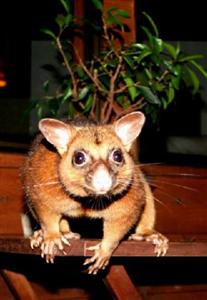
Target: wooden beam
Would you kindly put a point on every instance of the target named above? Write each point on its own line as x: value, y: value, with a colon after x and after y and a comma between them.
x: 125, y: 249
x: 79, y: 14
x: 19, y: 285
x: 120, y: 285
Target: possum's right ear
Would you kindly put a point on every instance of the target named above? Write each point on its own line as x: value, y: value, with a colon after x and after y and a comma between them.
x: 57, y: 133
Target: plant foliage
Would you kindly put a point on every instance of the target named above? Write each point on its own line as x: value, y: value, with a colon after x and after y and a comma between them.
x: 121, y: 78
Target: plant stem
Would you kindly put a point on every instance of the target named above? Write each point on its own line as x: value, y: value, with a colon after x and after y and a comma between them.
x: 93, y: 78
x: 110, y: 98
x: 60, y: 48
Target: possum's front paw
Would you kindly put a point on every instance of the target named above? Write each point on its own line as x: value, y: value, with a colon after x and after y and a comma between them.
x: 48, y: 243
x: 36, y: 239
x: 98, y: 261
x: 159, y: 240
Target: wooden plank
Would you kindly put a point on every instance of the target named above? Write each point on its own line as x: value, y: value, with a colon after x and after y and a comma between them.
x: 120, y: 285
x: 19, y: 285
x: 11, y: 193
x: 125, y: 249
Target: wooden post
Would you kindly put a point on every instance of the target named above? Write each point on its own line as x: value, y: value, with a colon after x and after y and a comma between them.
x: 120, y: 284
x: 19, y: 285
x: 79, y: 14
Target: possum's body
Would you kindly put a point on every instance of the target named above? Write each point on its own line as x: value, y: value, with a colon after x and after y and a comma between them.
x: 74, y: 171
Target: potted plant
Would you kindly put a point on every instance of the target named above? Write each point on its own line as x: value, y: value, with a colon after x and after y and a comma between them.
x: 120, y: 78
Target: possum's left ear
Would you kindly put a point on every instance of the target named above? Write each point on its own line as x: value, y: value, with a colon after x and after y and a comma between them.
x: 129, y: 127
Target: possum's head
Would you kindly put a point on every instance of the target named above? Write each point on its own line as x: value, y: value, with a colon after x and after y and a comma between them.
x: 95, y: 159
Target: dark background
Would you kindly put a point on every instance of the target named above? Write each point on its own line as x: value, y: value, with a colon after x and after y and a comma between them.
x: 177, y: 20
x: 20, y: 24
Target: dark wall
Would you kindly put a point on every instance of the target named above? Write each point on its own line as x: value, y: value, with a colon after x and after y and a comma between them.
x: 177, y: 20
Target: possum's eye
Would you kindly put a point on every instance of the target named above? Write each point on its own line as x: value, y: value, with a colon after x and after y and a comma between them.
x: 117, y: 156
x: 80, y: 158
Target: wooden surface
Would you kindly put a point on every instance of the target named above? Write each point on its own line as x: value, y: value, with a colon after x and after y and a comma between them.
x: 19, y: 285
x: 181, y: 204
x: 11, y: 193
x: 125, y: 249
x: 119, y: 283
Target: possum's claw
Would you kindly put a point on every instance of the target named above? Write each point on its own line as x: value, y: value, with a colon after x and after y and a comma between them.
x: 159, y: 240
x: 71, y: 235
x: 98, y: 261
x: 48, y: 243
x: 36, y: 239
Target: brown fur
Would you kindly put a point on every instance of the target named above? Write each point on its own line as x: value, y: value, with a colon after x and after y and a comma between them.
x: 55, y: 189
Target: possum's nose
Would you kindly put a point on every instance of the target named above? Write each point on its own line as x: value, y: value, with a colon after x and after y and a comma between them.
x: 102, y: 180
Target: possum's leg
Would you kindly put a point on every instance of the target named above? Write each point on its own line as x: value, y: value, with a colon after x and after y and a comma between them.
x: 145, y: 228
x: 114, y: 230
x: 49, y: 237
x: 66, y: 231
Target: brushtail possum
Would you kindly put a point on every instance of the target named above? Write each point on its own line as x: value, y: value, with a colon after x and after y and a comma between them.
x: 75, y: 171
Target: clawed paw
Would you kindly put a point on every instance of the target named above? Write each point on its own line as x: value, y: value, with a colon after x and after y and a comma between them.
x: 160, y: 241
x: 98, y: 261
x: 48, y: 243
x: 36, y: 239
x: 71, y: 235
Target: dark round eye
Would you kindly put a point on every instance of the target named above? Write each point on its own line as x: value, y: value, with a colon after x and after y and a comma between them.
x: 79, y: 158
x: 117, y: 156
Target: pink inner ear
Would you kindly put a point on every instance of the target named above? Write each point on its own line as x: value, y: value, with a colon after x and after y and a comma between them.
x: 129, y: 127
x: 56, y: 132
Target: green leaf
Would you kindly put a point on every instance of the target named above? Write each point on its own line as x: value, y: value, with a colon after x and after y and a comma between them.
x: 190, y: 57
x: 71, y: 109
x: 81, y: 73
x: 66, y: 5
x: 46, y: 86
x: 88, y: 103
x: 171, y: 49
x: 149, y: 95
x: 157, y: 44
x: 133, y: 92
x: 175, y: 80
x: 148, y: 73
x: 112, y: 8
x: 194, y: 79
x: 129, y: 61
x: 67, y: 94
x: 170, y: 94
x: 199, y: 68
x: 112, y: 20
x: 148, y: 34
x: 152, y: 23
x: 49, y: 32
x: 83, y: 92
x: 60, y: 20
x: 123, y: 13
x: 123, y: 101
x: 39, y: 110
x: 159, y: 87
x: 177, y: 49
x: 98, y: 4
x: 144, y: 53
x: 177, y: 70
x: 139, y: 45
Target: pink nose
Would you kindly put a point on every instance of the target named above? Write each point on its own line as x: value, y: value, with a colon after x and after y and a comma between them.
x: 102, y: 180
